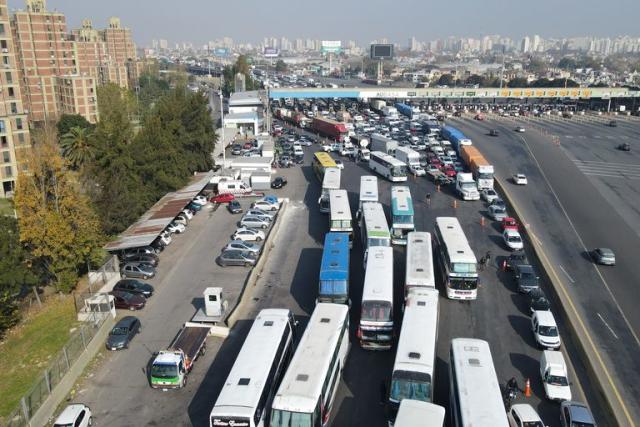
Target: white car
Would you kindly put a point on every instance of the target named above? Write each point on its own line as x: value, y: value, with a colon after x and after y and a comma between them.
x: 248, y: 235
x: 339, y: 164
x: 513, y: 240
x: 520, y: 179
x: 76, y: 414
x: 523, y: 415
x: 417, y: 170
x: 200, y: 200
x: 545, y: 330
x: 176, y: 227
x: 305, y: 142
x: 188, y: 214
x: 488, y: 194
x: 254, y: 222
x: 520, y: 129
x: 265, y: 205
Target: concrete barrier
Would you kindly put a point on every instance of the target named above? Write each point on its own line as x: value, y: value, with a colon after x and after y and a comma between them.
x: 609, y: 397
x: 253, y: 277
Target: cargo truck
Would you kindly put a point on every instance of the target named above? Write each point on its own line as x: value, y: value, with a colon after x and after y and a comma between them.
x: 170, y: 367
x: 330, y: 128
x: 382, y: 143
x: 390, y: 112
x: 466, y: 187
x: 404, y: 109
x: 455, y: 137
x: 377, y: 105
x: 482, y: 170
x: 408, y: 156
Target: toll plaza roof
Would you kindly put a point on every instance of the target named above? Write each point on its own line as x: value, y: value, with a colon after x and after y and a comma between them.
x: 146, y: 229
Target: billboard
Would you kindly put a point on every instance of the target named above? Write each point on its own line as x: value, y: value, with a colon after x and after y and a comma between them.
x: 271, y: 52
x: 330, y: 46
x: 381, y: 51
x: 221, y: 51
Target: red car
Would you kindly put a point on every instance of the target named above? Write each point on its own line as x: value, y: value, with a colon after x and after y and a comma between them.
x: 247, y: 145
x: 449, y: 171
x: 128, y: 300
x: 436, y: 162
x: 222, y: 198
x: 509, y: 223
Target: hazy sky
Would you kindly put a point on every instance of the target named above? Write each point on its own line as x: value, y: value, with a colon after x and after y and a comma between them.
x: 251, y: 20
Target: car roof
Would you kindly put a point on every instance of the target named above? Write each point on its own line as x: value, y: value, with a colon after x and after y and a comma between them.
x: 525, y: 412
x: 605, y: 251
x: 511, y: 232
x: 545, y: 317
x: 70, y: 413
x: 126, y: 321
x: 579, y: 412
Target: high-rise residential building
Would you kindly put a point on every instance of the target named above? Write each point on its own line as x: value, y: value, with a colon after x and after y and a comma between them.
x: 413, y: 44
x: 536, y: 43
x: 525, y: 46
x: 121, y: 51
x: 163, y: 44
x: 14, y: 129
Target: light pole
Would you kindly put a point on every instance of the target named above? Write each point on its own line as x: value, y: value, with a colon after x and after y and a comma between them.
x: 224, y: 148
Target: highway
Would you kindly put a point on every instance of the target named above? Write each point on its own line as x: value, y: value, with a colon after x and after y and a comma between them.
x: 569, y: 215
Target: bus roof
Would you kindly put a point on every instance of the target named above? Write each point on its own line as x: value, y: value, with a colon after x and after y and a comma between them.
x: 325, y: 160
x: 243, y: 387
x: 331, y: 180
x: 417, y: 343
x: 388, y: 158
x: 340, y: 208
x: 480, y: 400
x: 414, y: 413
x: 378, y: 278
x: 368, y: 188
x: 335, y: 257
x: 302, y: 383
x: 455, y: 240
x: 375, y: 220
x: 401, y: 203
x: 419, y: 271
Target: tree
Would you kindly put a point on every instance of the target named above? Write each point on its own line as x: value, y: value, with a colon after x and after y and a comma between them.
x: 537, y: 65
x: 68, y: 121
x: 57, y: 223
x: 518, y: 82
x: 446, y: 80
x: 475, y: 79
x: 77, y: 146
x: 567, y: 63
x: 281, y: 67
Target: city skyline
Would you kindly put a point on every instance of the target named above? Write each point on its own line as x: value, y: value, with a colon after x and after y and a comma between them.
x: 199, y: 24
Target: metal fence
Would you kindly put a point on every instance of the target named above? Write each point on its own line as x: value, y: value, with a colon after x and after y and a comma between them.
x: 60, y: 365
x: 102, y: 276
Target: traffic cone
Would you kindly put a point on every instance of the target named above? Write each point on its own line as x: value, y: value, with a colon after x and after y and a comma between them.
x: 455, y: 204
x: 482, y: 221
x: 527, y: 388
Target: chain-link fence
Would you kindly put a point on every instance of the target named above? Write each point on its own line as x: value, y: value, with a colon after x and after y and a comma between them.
x: 102, y: 276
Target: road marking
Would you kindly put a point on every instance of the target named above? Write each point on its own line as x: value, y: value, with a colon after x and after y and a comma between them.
x: 569, y: 136
x: 533, y: 235
x: 566, y: 274
x: 607, y: 325
x: 595, y: 136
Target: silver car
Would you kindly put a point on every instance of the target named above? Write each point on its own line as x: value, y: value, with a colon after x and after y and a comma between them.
x: 244, y: 258
x: 498, y: 213
x: 241, y: 245
x: 254, y: 222
x: 260, y: 213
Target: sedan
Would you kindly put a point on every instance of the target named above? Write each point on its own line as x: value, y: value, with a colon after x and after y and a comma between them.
x: 513, y: 240
x: 604, y: 256
x: 520, y: 179
x: 135, y: 287
x: 575, y: 414
x: 137, y: 270
x: 241, y: 245
x: 279, y: 182
x: 523, y: 415
x: 449, y: 171
x: 222, y: 198
x: 417, y: 170
x: 497, y: 213
x: 520, y: 129
x: 498, y: 202
x: 254, y: 222
x: 148, y: 259
x: 234, y: 207
x: 128, y: 300
x: 261, y: 214
x: 248, y: 235
x: 245, y: 258
x: 122, y: 333
x: 176, y: 227
x: 432, y: 168
x: 265, y: 205
x: 489, y: 194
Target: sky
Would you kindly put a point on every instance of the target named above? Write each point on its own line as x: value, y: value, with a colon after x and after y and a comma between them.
x: 199, y: 21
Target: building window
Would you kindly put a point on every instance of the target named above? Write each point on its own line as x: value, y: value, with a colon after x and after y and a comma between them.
x: 1, y: 28
x: 8, y: 76
x: 21, y: 138
x: 3, y: 142
x: 2, y: 129
x: 5, y: 60
x: 6, y: 157
x: 3, y: 44
x: 11, y: 92
x: 8, y: 172
x: 14, y: 108
x: 19, y: 125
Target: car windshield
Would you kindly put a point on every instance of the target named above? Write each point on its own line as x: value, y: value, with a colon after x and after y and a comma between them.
x: 119, y: 331
x: 159, y: 370
x: 557, y: 380
x: 548, y: 331
x: 515, y: 239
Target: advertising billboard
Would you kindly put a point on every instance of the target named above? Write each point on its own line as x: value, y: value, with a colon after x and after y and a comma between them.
x: 271, y: 52
x: 330, y: 46
x: 221, y: 51
x: 381, y: 51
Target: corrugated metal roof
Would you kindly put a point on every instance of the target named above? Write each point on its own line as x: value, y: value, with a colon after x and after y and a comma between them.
x: 144, y: 231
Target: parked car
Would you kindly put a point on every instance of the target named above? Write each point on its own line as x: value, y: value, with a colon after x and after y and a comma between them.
x: 248, y: 235
x: 122, y: 333
x: 520, y: 129
x: 241, y: 245
x: 520, y: 179
x: 194, y: 207
x: 254, y: 222
x: 279, y: 182
x: 234, y: 207
x: 188, y: 213
x: 497, y: 213
x: 515, y: 258
x: 523, y: 415
x: 575, y: 414
x: 236, y: 150
x: 489, y: 194
x: 604, y: 256
x: 417, y: 170
x: 148, y: 259
x: 513, y: 240
x: 74, y: 415
x: 176, y: 227
x: 270, y: 215
x: 222, y: 198
x: 128, y: 300
x: 245, y: 258
x: 137, y: 270
x: 200, y: 199
x: 135, y: 287
x: 139, y: 250
x: 266, y: 205
x: 538, y: 301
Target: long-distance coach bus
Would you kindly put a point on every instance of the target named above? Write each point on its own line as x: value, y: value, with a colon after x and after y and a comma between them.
x: 458, y: 263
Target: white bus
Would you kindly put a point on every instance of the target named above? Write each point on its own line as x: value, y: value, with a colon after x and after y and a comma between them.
x: 413, y: 413
x: 401, y: 214
x: 368, y: 191
x: 373, y: 228
x: 475, y: 392
x: 458, y: 264
x: 413, y: 369
x: 309, y: 386
x: 340, y: 213
x: 330, y: 181
x: 375, y: 330
x: 246, y: 396
x: 419, y: 272
x: 388, y: 166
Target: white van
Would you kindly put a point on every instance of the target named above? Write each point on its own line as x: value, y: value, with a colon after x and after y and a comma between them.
x: 554, y: 374
x: 233, y: 187
x: 545, y: 330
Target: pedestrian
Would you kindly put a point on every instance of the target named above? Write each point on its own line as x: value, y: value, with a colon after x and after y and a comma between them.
x: 383, y: 393
x: 488, y: 256
x: 428, y: 199
x: 482, y: 263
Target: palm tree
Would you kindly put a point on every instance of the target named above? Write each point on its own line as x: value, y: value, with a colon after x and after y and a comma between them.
x: 77, y: 146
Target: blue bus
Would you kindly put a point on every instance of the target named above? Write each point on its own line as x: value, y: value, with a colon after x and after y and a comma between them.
x: 455, y: 137
x: 401, y: 214
x: 334, y: 270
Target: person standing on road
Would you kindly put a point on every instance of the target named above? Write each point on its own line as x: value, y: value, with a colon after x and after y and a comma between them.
x: 428, y: 199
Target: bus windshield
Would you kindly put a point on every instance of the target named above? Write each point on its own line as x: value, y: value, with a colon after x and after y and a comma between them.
x: 333, y: 287
x: 281, y: 418
x: 399, y: 171
x: 379, y: 241
x: 463, y: 283
x: 410, y: 385
x: 376, y: 311
x: 403, y: 219
x: 463, y: 267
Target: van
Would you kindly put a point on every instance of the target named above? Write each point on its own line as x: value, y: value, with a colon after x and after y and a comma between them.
x: 554, y: 374
x: 545, y: 330
x: 233, y: 187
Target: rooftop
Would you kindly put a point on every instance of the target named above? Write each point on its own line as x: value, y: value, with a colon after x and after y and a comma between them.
x: 245, y: 98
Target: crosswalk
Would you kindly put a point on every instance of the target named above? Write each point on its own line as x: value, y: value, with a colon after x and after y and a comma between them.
x: 608, y: 169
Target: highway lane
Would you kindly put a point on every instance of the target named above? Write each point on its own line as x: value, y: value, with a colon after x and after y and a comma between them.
x: 605, y: 297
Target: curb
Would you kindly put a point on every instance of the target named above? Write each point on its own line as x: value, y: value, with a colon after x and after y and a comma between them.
x: 231, y: 319
x: 608, y: 396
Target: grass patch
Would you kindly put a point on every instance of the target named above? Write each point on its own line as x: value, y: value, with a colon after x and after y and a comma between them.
x: 6, y: 207
x: 28, y: 348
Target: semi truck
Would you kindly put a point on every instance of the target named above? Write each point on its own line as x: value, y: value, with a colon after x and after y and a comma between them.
x: 377, y: 105
x: 390, y: 112
x: 293, y: 117
x: 455, y: 137
x: 466, y: 187
x: 482, y: 170
x: 404, y: 109
x: 382, y: 143
x: 330, y: 128
x: 408, y: 156
x: 359, y: 141
x: 170, y: 367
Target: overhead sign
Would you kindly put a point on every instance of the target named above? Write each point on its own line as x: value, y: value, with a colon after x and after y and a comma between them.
x: 221, y: 51
x: 331, y: 46
x: 381, y: 51
x: 271, y: 52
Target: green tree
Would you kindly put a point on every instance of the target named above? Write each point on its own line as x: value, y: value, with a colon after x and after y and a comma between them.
x: 446, y: 80
x: 567, y: 63
x: 68, y: 121
x: 475, y: 79
x: 281, y: 67
x: 537, y: 65
x: 77, y: 146
x: 518, y: 82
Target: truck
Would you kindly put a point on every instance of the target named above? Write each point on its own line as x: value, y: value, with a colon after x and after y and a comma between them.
x: 359, y: 141
x: 554, y: 374
x: 404, y: 109
x: 408, y: 156
x: 330, y: 128
x: 455, y: 137
x: 466, y: 186
x: 170, y: 367
x: 377, y: 105
x: 293, y: 117
x: 343, y: 116
x: 482, y: 170
x: 382, y: 143
x: 390, y: 112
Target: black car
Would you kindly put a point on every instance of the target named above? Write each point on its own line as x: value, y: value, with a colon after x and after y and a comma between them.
x: 613, y: 124
x: 526, y: 278
x: 624, y: 147
x: 494, y: 132
x: 515, y: 258
x: 279, y: 182
x: 236, y: 150
x: 122, y: 333
x: 150, y: 259
x: 135, y: 287
x: 139, y: 250
x: 538, y: 301
x: 234, y: 207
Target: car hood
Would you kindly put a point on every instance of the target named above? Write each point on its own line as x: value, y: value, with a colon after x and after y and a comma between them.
x: 116, y: 340
x: 557, y: 392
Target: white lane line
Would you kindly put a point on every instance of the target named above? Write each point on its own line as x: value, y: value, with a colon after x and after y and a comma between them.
x: 566, y: 274
x: 608, y: 170
x: 569, y: 136
x: 606, y: 166
x: 596, y: 163
x: 596, y: 136
x: 607, y: 325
